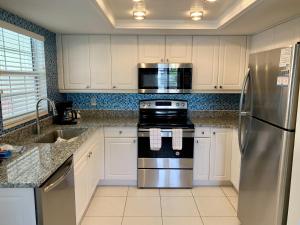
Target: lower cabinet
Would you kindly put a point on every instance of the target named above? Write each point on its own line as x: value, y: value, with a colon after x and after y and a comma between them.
x: 220, y: 160
x: 201, y: 159
x: 212, y: 155
x: 121, y: 159
x: 235, y: 161
x: 89, y: 169
x: 17, y: 206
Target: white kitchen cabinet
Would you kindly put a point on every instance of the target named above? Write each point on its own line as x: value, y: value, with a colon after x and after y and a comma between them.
x: 100, y: 61
x: 82, y: 185
x: 121, y: 159
x: 201, y: 159
x: 220, y: 155
x: 179, y: 49
x: 205, y: 62
x: 76, y: 61
x: 152, y: 49
x: 88, y: 170
x: 235, y: 161
x: 232, y: 60
x: 17, y: 206
x: 124, y: 53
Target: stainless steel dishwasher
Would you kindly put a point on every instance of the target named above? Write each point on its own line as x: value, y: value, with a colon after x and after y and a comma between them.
x: 55, y: 199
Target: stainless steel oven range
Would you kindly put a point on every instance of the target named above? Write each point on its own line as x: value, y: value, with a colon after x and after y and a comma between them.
x: 165, y: 167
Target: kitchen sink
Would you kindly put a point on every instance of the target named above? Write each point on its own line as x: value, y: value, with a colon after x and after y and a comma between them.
x: 66, y: 134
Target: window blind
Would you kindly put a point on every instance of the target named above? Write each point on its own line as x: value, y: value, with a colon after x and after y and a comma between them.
x: 22, y: 77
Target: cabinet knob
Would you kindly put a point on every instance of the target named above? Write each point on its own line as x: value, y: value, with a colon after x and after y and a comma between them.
x: 197, y: 142
x: 214, y: 133
x: 161, y: 60
x: 120, y: 132
x: 221, y: 86
x: 202, y: 132
x: 216, y: 87
x: 87, y: 86
x: 167, y: 60
x: 114, y: 87
x: 134, y: 141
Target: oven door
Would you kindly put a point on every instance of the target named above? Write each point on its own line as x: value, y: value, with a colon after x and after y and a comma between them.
x: 164, y: 78
x: 166, y: 157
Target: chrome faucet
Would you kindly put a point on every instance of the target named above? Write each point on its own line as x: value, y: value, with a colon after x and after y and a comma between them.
x: 53, y: 108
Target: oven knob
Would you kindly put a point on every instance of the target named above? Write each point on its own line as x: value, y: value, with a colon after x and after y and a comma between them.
x: 143, y: 105
x: 177, y: 104
x: 177, y: 153
x: 149, y: 105
x: 183, y: 104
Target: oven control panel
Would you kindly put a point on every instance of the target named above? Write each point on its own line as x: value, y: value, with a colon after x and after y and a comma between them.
x: 163, y: 104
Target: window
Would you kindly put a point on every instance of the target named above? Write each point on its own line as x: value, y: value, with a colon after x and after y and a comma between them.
x: 22, y: 77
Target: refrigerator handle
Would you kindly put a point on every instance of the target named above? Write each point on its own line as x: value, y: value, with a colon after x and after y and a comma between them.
x: 241, y: 112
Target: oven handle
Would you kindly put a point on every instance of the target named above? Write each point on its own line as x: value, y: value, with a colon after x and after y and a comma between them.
x: 166, y: 133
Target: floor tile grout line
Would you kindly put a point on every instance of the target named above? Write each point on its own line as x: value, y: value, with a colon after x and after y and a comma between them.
x: 198, y: 210
x: 228, y: 199
x: 125, y: 206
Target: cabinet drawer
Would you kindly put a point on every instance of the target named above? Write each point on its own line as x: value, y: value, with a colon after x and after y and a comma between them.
x: 120, y: 132
x: 202, y: 132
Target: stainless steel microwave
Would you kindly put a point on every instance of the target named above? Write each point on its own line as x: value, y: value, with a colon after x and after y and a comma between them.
x: 165, y: 78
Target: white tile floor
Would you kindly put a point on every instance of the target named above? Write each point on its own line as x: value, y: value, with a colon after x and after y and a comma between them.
x: 132, y: 206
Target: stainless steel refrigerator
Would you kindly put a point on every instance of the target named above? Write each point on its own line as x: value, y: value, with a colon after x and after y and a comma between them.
x: 267, y: 120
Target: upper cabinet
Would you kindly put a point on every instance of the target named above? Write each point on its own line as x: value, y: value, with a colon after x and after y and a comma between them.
x: 152, y: 49
x: 86, y: 62
x: 219, y: 62
x: 105, y: 62
x: 124, y: 53
x: 205, y: 62
x: 179, y: 49
x: 76, y: 57
x: 232, y: 60
x: 100, y: 62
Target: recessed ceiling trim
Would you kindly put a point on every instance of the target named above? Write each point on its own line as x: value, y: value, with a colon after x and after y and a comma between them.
x: 226, y: 18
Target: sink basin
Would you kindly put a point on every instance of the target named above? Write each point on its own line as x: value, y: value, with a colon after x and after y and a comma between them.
x: 66, y: 134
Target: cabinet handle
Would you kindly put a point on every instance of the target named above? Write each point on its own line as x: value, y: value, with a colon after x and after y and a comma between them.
x: 197, y: 142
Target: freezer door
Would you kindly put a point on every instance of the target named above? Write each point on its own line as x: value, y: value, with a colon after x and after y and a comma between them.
x: 275, y: 75
x: 265, y: 175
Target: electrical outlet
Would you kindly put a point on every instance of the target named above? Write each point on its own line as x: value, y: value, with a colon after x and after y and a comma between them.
x: 93, y: 101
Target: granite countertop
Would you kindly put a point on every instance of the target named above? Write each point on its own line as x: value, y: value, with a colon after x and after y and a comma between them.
x: 38, y: 162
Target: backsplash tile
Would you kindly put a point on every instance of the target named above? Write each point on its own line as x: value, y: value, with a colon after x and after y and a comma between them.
x: 50, y: 58
x: 130, y: 101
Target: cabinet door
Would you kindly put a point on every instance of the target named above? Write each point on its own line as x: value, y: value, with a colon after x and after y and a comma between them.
x: 205, y: 62
x: 179, y: 49
x: 201, y: 158
x: 100, y: 61
x: 124, y: 62
x: 76, y: 57
x: 17, y: 206
x: 120, y: 159
x: 151, y: 49
x: 220, y: 159
x: 235, y: 161
x: 81, y: 178
x: 232, y: 62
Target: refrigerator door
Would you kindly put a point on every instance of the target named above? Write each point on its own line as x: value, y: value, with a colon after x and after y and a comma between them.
x: 275, y: 76
x: 265, y: 175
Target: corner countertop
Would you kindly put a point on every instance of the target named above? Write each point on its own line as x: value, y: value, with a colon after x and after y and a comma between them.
x: 38, y: 162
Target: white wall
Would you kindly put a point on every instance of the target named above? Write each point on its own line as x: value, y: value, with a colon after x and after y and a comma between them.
x: 280, y: 36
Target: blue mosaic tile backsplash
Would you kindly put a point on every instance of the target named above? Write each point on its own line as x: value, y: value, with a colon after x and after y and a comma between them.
x: 50, y: 55
x: 130, y: 101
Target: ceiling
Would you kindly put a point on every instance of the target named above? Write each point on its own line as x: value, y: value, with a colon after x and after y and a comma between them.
x: 160, y: 9
x: 226, y: 17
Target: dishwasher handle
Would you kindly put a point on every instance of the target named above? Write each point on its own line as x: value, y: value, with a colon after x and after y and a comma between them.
x: 54, y: 184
